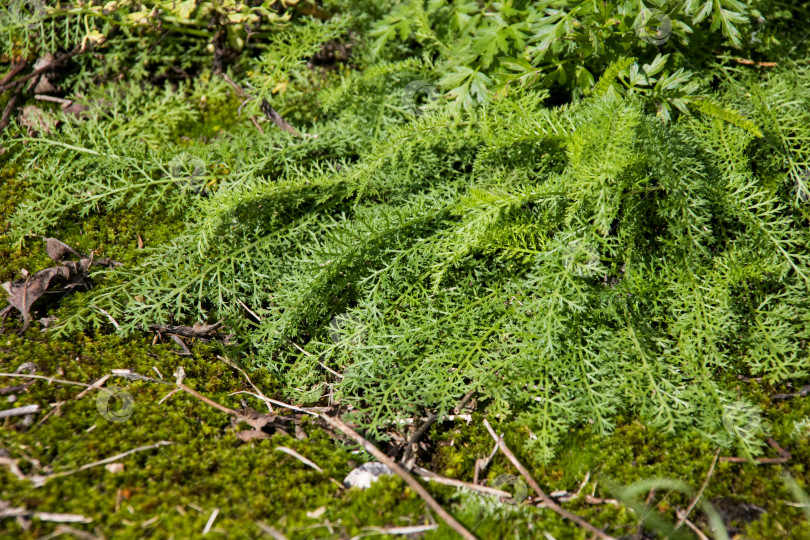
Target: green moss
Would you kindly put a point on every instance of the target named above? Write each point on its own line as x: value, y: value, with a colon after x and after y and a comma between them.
x: 159, y: 491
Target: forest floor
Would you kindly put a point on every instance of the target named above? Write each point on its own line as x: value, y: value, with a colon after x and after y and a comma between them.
x: 117, y: 477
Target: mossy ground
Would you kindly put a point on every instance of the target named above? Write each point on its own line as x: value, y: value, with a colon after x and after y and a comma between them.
x: 172, y: 491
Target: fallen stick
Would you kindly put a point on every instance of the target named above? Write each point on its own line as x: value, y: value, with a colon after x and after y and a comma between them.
x: 433, y: 477
x: 7, y: 511
x: 110, y: 459
x: 210, y: 522
x: 132, y: 376
x: 417, y: 435
x: 548, y: 501
x: 746, y: 62
x: 207, y: 401
x: 62, y: 518
x: 682, y: 519
x: 240, y: 370
x: 785, y: 456
x: 275, y: 402
x: 338, y: 424
x: 266, y: 529
x: 571, y: 496
x: 20, y: 411
x: 271, y: 115
x: 299, y: 457
x: 13, y: 468
x: 44, y: 378
x: 96, y: 385
x: 76, y: 533
x: 15, y: 69
x: 93, y: 386
x: 276, y: 118
x: 37, y: 72
x: 801, y: 393
x: 482, y: 463
x: 6, y: 118
x: 682, y: 516
x: 590, y: 499
x: 414, y: 529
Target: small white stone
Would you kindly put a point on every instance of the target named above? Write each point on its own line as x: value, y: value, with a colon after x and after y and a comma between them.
x: 318, y: 512
x: 114, y: 468
x: 366, y: 474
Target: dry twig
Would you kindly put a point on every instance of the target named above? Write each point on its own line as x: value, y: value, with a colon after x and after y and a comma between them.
x: 801, y: 393
x: 111, y: 459
x: 20, y: 411
x: 682, y: 519
x: 433, y: 477
x: 338, y: 424
x: 299, y: 457
x: 548, y: 501
x: 785, y: 456
x: 44, y: 378
x: 411, y: 444
x: 240, y: 370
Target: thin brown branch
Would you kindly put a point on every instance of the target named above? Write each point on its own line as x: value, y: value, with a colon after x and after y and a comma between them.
x: 785, y: 456
x: 463, y: 403
x: 746, y: 62
x: 44, y: 378
x: 240, y: 370
x: 276, y: 118
x: 15, y: 69
x: 692, y: 526
x: 299, y: 457
x: 548, y: 501
x: 411, y: 444
x: 20, y: 411
x: 482, y: 463
x: 801, y: 393
x: 96, y: 385
x: 433, y: 477
x: 338, y: 424
x: 240, y: 92
x: 206, y: 400
x: 111, y: 459
x: 4, y: 121
x: 276, y: 402
x: 692, y: 504
x: 236, y: 88
x: 37, y: 72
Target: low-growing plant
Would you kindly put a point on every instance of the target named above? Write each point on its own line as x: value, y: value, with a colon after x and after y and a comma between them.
x: 580, y: 224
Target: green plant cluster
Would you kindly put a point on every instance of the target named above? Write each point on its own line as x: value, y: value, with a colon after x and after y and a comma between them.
x: 605, y: 232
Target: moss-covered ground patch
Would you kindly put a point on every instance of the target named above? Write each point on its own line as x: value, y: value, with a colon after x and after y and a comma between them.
x: 171, y: 491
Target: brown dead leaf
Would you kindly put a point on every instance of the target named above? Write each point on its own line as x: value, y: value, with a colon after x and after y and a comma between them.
x: 203, y: 332
x: 58, y: 250
x: 79, y: 110
x: 43, y: 84
x: 261, y: 423
x: 69, y: 275
x: 36, y: 119
x: 255, y: 419
x: 251, y: 434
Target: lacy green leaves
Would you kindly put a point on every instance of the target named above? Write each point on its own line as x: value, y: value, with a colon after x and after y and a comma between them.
x: 615, y: 255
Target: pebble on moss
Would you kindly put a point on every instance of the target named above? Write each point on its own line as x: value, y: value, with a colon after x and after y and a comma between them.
x: 366, y: 474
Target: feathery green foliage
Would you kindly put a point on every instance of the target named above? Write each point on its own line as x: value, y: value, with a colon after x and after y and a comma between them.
x: 567, y: 259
